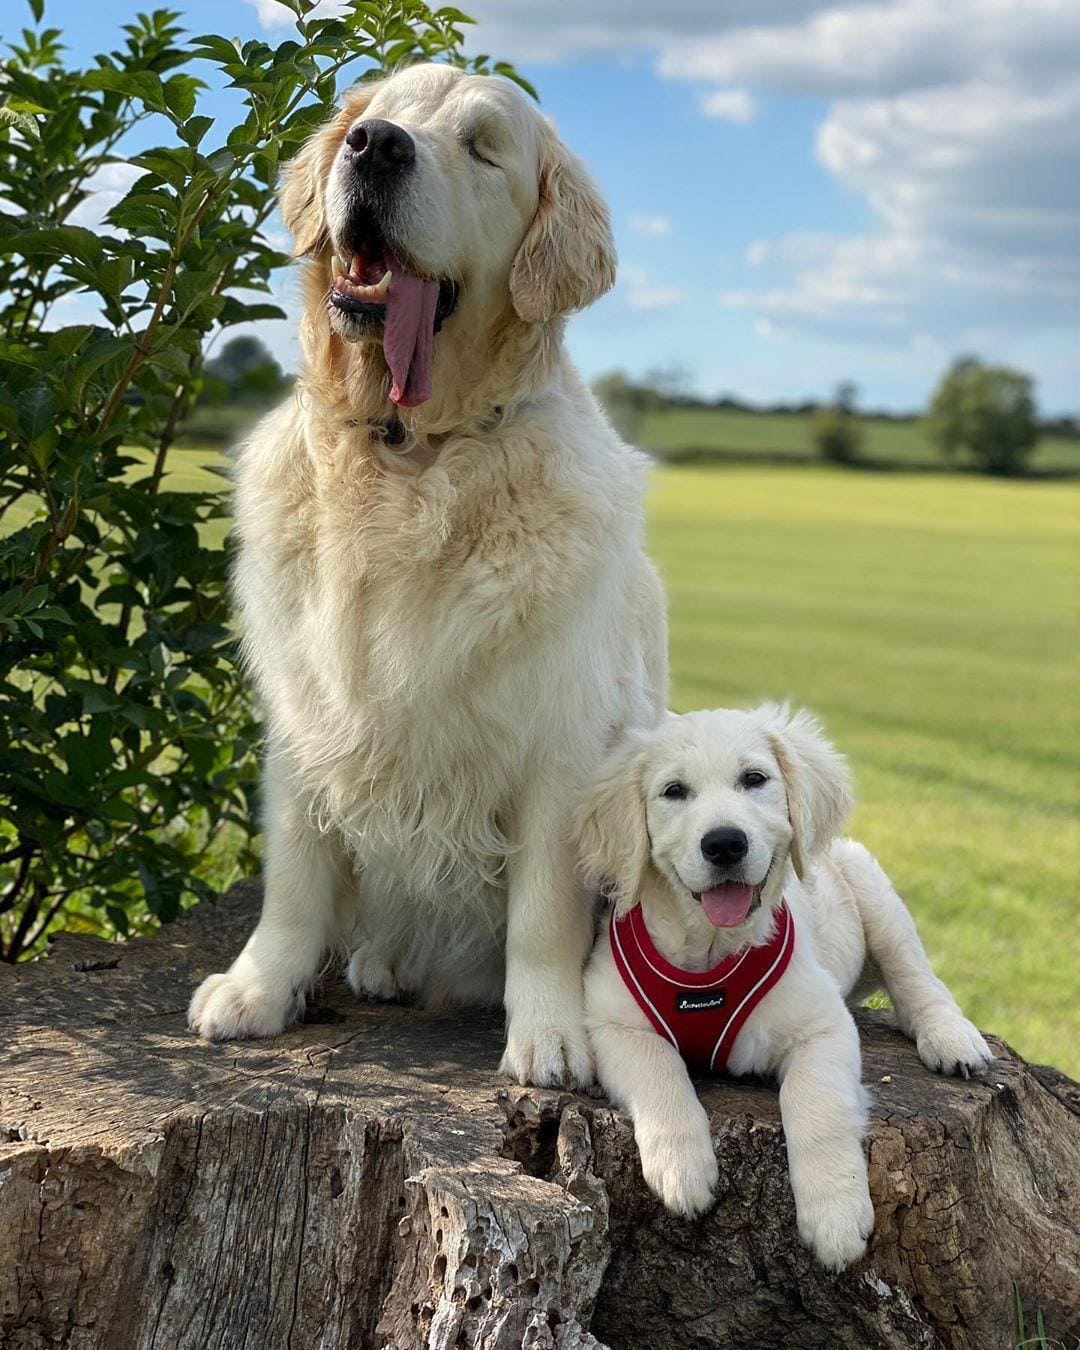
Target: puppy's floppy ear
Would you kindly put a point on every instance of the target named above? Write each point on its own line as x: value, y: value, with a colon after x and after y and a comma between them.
x: 567, y: 258
x: 816, y: 778
x: 612, y: 837
x: 304, y: 178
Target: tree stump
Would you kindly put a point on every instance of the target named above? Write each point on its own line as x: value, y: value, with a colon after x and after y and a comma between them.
x: 369, y: 1180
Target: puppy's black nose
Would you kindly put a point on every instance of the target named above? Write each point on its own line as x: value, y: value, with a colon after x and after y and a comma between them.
x: 725, y: 845
x: 379, y: 147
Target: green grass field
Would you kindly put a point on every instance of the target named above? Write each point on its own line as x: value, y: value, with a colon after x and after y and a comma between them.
x: 932, y: 622
x: 728, y: 434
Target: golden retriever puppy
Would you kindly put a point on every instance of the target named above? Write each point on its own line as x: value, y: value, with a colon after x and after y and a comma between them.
x: 446, y: 603
x: 741, y: 924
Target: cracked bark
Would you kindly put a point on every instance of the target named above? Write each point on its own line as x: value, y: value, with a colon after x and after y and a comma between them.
x: 368, y: 1180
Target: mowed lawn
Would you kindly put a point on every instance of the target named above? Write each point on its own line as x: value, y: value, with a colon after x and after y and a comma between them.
x: 727, y: 433
x: 931, y: 621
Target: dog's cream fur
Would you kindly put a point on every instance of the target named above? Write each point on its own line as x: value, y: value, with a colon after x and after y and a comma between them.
x: 446, y: 635
x: 854, y: 935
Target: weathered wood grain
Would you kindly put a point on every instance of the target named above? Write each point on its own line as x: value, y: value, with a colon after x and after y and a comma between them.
x: 368, y: 1180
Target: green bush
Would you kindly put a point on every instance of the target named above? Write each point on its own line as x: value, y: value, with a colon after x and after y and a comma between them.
x: 836, y: 434
x: 986, y: 412
x: 127, y: 739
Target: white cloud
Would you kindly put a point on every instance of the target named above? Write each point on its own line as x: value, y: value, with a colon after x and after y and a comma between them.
x: 274, y: 15
x: 976, y: 191
x: 652, y: 227
x: 104, y: 189
x: 891, y: 47
x: 729, y: 105
x: 560, y: 30
x: 641, y: 294
x: 959, y: 126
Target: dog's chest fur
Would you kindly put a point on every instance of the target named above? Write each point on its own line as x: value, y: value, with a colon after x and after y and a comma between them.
x: 397, y: 627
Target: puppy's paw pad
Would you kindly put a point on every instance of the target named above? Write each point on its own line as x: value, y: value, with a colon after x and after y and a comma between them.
x: 231, y: 1007
x: 370, y: 977
x: 952, y: 1045
x: 552, y: 1057
x: 837, y: 1228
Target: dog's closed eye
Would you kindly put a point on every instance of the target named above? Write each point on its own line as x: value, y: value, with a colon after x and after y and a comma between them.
x: 478, y: 148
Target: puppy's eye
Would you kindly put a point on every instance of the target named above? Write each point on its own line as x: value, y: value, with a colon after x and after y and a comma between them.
x: 675, y: 792
x: 753, y: 778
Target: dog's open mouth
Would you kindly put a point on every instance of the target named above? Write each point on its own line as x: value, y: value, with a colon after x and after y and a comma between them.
x: 731, y: 903
x: 373, y: 284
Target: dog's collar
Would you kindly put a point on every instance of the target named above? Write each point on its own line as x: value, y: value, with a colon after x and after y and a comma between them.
x: 386, y: 430
x: 392, y: 433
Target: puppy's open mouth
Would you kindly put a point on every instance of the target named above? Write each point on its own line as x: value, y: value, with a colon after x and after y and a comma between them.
x: 374, y: 287
x: 732, y: 902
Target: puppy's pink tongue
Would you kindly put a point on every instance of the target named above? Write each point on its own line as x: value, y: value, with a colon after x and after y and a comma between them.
x: 409, y: 334
x: 727, y: 905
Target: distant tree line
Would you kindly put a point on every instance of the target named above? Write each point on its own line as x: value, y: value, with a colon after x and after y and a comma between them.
x: 980, y: 415
x: 243, y: 372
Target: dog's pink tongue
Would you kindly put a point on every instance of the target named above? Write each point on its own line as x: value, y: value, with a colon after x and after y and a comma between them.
x: 409, y: 334
x: 727, y: 905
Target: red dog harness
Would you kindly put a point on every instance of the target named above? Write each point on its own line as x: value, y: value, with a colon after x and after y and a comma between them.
x: 700, y: 1012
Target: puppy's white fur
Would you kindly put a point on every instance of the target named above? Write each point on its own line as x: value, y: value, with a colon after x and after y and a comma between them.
x: 446, y: 637
x: 853, y: 936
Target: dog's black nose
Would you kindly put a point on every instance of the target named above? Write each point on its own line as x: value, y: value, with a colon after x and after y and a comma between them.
x: 379, y: 147
x: 725, y: 845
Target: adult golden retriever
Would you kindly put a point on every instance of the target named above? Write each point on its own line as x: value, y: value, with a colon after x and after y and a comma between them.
x: 446, y: 603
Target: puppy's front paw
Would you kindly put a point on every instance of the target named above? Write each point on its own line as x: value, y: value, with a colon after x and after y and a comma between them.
x: 679, y: 1165
x: 236, y: 1005
x: 951, y: 1044
x: 550, y: 1056
x: 837, y: 1222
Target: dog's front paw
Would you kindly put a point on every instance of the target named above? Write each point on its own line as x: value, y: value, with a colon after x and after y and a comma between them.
x: 837, y: 1222
x: 951, y: 1044
x: 679, y: 1165
x: 547, y: 1056
x: 370, y: 977
x: 236, y: 1005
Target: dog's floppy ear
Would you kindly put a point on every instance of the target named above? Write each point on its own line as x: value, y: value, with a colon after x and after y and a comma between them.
x: 816, y: 779
x: 612, y: 837
x: 567, y: 258
x: 303, y: 179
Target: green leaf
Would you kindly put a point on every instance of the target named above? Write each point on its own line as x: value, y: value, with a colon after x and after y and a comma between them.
x: 13, y: 117
x: 115, y: 275
x: 180, y: 92
x: 223, y: 50
x: 96, y: 698
x: 60, y: 242
x: 163, y: 891
x: 138, y: 84
x: 195, y: 129
x: 36, y: 408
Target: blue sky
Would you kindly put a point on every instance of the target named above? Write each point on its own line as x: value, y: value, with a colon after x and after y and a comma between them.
x: 802, y: 191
